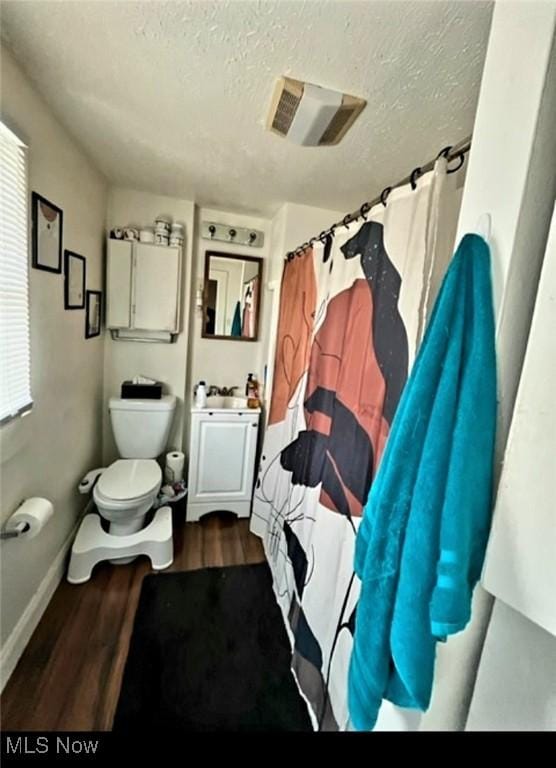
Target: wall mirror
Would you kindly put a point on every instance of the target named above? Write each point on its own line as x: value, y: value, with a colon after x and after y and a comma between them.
x: 231, y: 296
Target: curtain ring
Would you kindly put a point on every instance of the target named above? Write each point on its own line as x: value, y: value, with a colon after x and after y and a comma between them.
x: 333, y: 229
x: 322, y: 236
x: 461, y: 157
x: 363, y: 210
x: 415, y: 173
x: 444, y: 152
x: 345, y: 221
x: 384, y: 195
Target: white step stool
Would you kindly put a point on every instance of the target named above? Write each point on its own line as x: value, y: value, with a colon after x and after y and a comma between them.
x: 93, y: 544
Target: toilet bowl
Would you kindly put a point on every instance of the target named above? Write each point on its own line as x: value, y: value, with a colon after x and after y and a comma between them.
x: 125, y: 492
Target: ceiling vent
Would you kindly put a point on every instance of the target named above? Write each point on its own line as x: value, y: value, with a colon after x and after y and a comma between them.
x: 310, y: 115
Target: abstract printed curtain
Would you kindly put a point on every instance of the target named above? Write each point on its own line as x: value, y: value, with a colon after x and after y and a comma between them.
x: 352, y: 312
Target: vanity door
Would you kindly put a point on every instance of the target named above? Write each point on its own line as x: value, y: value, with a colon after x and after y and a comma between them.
x: 222, y: 460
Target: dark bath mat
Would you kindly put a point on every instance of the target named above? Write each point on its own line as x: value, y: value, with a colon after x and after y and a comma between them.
x: 209, y: 652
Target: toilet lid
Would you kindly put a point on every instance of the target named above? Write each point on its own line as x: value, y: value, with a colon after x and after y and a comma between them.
x: 129, y: 479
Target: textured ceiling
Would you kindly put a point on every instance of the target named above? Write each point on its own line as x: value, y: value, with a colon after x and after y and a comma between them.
x: 172, y: 97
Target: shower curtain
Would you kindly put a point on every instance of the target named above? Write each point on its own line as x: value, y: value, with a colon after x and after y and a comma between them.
x: 352, y: 313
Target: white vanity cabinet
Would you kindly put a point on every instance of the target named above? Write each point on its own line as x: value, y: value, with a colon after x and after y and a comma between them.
x: 143, y: 286
x: 221, y: 461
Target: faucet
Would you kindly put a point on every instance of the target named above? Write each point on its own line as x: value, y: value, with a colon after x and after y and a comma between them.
x: 227, y: 391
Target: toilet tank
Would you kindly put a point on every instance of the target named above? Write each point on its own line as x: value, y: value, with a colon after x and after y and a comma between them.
x: 141, y: 427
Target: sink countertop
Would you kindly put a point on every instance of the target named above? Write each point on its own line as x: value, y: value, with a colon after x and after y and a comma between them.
x: 212, y: 409
x: 225, y: 404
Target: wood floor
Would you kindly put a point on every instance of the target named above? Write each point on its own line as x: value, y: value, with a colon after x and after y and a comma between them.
x: 70, y: 673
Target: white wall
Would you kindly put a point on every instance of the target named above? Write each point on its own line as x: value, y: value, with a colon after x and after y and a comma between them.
x: 165, y: 362
x: 218, y: 361
x: 516, y: 684
x: 511, y: 176
x: 305, y: 221
x: 47, y: 452
x: 520, y: 566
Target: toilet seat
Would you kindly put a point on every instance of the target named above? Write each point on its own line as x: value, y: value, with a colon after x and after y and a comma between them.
x: 128, y: 482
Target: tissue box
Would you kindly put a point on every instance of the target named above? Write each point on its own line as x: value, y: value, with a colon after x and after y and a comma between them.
x: 145, y: 391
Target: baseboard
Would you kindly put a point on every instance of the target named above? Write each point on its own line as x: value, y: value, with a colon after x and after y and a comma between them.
x: 21, y: 634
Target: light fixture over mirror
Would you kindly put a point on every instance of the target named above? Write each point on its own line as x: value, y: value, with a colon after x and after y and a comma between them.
x: 231, y: 296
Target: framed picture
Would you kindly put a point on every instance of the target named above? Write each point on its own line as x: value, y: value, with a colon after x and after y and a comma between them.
x: 93, y: 308
x: 48, y: 222
x: 74, y: 280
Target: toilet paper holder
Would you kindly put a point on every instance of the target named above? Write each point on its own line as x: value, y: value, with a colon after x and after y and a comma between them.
x: 17, y: 530
x: 28, y: 519
x: 14, y: 532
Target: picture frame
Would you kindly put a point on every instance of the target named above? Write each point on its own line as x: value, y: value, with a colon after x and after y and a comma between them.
x: 47, y: 234
x: 93, y: 313
x: 75, y: 268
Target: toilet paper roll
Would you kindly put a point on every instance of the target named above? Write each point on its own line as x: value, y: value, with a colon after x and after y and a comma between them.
x: 173, y: 471
x: 35, y: 513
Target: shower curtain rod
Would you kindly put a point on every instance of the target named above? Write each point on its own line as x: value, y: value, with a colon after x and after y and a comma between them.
x: 458, y: 151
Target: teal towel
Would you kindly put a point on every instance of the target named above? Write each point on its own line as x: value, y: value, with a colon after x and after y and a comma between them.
x: 421, y: 543
x: 236, y: 322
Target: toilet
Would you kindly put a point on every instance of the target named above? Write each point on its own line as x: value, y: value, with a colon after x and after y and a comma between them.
x: 125, y: 492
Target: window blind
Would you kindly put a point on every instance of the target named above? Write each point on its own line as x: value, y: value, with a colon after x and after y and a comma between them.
x: 15, y: 386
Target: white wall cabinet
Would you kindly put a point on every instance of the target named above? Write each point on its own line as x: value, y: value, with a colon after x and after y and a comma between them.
x: 143, y: 286
x: 221, y: 462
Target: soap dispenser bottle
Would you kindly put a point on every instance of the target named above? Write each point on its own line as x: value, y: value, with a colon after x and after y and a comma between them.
x: 253, y: 396
x: 201, y: 395
x: 248, y: 384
